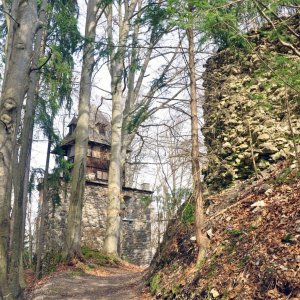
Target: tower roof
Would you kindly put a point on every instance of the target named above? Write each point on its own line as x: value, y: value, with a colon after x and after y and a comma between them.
x: 95, y: 135
x: 73, y: 122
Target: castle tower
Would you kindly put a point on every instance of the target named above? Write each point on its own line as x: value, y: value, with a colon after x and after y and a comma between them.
x: 135, y: 240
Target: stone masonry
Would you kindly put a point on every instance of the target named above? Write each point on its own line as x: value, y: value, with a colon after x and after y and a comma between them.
x: 251, y: 115
x: 135, y: 240
x: 135, y: 237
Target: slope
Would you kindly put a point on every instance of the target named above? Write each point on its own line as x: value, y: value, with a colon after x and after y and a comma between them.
x: 254, y: 228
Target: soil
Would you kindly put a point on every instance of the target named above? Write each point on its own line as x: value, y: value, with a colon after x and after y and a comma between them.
x: 115, y: 283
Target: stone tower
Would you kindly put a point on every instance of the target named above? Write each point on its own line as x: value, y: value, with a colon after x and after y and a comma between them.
x: 135, y: 240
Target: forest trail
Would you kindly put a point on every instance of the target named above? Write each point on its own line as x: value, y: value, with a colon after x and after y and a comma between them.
x: 111, y: 283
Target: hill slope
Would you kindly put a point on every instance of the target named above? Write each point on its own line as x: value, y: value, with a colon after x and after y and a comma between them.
x: 255, y: 244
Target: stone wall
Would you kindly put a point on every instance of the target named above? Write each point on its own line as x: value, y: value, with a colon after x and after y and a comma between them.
x: 135, y: 242
x: 246, y: 113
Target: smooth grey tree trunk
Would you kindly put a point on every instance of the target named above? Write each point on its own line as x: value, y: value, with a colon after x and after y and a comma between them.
x: 72, y: 246
x: 40, y: 242
x: 23, y: 165
x: 112, y: 234
x: 30, y: 236
x: 124, y: 107
x: 114, y: 178
x: 13, y: 92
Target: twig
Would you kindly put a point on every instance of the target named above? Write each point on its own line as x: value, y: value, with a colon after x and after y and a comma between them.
x: 43, y: 64
x: 5, y: 12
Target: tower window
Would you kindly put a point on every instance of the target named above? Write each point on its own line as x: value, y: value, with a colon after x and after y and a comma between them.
x: 101, y: 128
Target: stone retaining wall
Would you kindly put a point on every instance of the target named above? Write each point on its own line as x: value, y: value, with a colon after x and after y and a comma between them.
x: 246, y: 113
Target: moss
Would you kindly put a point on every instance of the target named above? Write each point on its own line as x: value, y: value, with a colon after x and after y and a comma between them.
x: 51, y: 260
x: 188, y: 213
x: 154, y: 284
x: 175, y: 289
x: 225, y: 295
x: 212, y: 269
x: 99, y: 258
x: 289, y: 238
x: 234, y: 232
x: 146, y: 200
x: 76, y: 272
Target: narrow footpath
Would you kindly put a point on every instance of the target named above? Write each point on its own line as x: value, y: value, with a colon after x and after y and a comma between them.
x: 111, y: 284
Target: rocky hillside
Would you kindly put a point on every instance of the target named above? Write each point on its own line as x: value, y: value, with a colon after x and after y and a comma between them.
x: 251, y: 108
x: 254, y: 230
x: 251, y: 130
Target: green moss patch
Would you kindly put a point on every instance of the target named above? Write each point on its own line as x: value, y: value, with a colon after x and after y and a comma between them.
x: 99, y: 258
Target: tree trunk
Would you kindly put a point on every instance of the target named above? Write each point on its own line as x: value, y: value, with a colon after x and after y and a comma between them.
x: 13, y: 92
x: 11, y: 26
x: 114, y: 178
x: 43, y: 212
x: 112, y: 235
x: 72, y: 247
x: 23, y: 165
x: 29, y: 214
x: 202, y: 240
x: 292, y: 131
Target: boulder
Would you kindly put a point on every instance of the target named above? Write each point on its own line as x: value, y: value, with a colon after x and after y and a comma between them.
x: 263, y: 137
x: 268, y: 148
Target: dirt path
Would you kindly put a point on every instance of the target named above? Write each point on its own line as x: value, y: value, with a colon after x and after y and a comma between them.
x: 111, y: 284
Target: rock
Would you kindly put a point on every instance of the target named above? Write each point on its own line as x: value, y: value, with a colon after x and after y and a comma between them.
x: 283, y: 268
x: 235, y: 71
x: 229, y: 110
x: 261, y: 189
x: 269, y: 123
x: 260, y: 203
x: 263, y: 137
x: 293, y: 166
x: 263, y: 164
x: 193, y: 238
x: 257, y: 222
x: 273, y: 294
x: 243, y: 146
x: 207, y: 212
x: 237, y: 160
x: 268, y: 148
x: 214, y: 293
x: 209, y: 233
x: 279, y: 155
x: 268, y: 192
x: 227, y: 145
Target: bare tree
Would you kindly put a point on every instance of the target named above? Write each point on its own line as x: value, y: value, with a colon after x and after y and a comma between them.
x: 202, y: 240
x: 23, y: 29
x: 116, y: 70
x: 72, y: 246
x: 128, y: 64
x: 22, y: 165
